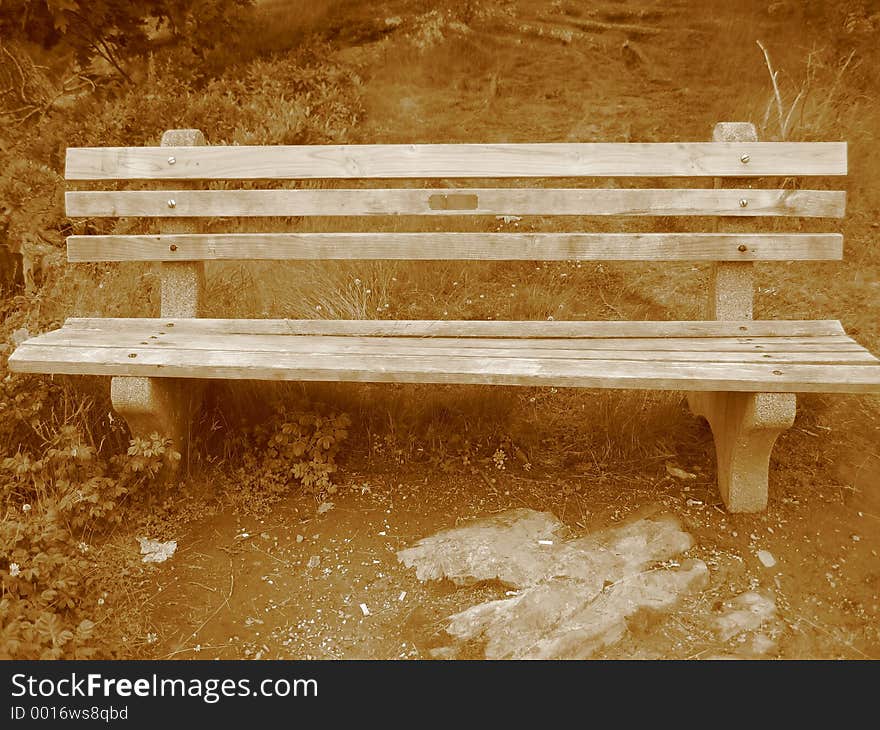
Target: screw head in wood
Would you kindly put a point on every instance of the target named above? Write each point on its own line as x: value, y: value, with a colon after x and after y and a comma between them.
x: 173, y: 247
x: 744, y: 158
x: 742, y: 248
x: 172, y: 160
x: 743, y: 203
x: 172, y: 203
x: 132, y: 354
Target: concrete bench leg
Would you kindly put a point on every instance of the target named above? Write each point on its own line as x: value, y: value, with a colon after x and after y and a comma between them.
x: 745, y: 427
x: 157, y: 405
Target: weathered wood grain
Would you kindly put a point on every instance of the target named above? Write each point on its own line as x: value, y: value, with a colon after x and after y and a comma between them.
x: 712, y: 376
x: 520, y: 329
x: 459, y: 246
x: 633, y: 347
x: 686, y: 159
x: 486, y: 201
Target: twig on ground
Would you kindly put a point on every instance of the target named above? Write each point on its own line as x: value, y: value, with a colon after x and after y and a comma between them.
x: 224, y: 602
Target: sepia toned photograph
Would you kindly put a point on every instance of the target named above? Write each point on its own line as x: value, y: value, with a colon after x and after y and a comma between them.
x: 439, y: 330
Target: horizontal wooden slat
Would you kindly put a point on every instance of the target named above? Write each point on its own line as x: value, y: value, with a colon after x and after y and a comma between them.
x: 460, y: 246
x: 633, y: 347
x: 755, y: 377
x: 818, y: 358
x: 445, y: 201
x: 691, y: 159
x: 467, y: 328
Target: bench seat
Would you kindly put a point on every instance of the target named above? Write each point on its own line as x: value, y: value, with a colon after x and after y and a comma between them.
x: 748, y: 356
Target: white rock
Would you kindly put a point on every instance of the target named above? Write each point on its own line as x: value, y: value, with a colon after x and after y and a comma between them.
x: 566, y: 600
x: 766, y: 558
x: 325, y: 507
x: 746, y: 613
x: 155, y: 551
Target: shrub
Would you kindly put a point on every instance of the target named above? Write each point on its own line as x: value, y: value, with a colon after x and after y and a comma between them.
x: 294, y: 449
x: 60, y: 494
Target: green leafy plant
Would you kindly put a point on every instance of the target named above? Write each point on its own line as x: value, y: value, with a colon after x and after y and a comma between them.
x: 294, y: 449
x: 305, y: 449
x: 60, y: 495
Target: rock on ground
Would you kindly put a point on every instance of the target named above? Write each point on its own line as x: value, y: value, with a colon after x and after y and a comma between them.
x: 747, y: 612
x: 574, y: 595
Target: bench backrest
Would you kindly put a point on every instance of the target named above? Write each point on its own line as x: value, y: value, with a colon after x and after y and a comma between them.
x: 184, y: 162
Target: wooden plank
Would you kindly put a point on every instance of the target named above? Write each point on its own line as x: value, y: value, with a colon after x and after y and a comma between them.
x: 753, y: 377
x: 183, y: 335
x: 460, y: 246
x: 674, y: 159
x: 470, y: 328
x: 411, y: 349
x: 684, y: 347
x: 459, y: 201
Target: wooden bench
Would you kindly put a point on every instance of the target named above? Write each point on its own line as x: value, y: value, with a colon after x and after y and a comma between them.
x: 740, y: 374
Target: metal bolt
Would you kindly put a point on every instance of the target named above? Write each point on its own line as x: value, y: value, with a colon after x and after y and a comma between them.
x: 743, y: 203
x: 742, y: 248
x: 173, y: 247
x: 172, y: 160
x: 744, y: 158
x: 172, y: 203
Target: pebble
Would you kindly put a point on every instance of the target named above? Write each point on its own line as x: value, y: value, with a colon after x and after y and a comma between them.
x: 314, y: 561
x: 766, y: 558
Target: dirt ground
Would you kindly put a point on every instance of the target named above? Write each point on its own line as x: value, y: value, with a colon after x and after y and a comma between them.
x: 299, y: 583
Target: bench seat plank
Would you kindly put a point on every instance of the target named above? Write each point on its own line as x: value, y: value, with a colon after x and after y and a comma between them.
x: 192, y: 338
x: 459, y: 246
x: 833, y: 363
x: 476, y: 328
